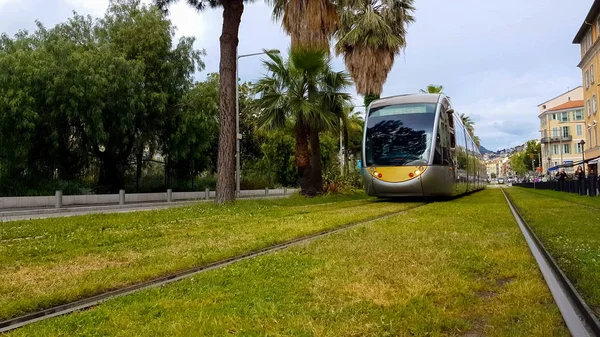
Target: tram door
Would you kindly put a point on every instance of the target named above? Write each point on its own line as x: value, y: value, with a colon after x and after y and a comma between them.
x: 448, y: 144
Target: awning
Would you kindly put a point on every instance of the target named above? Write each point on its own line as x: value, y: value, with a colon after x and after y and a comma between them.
x: 593, y: 161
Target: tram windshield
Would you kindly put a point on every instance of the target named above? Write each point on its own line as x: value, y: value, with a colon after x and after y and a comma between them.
x: 399, y: 135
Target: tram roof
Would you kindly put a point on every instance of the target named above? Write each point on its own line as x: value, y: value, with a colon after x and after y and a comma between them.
x: 409, y: 98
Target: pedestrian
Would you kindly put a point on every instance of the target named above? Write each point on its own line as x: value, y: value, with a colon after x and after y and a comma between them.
x: 579, y: 174
x: 562, y: 175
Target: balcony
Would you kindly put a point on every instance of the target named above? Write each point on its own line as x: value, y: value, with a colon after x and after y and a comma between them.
x: 556, y: 139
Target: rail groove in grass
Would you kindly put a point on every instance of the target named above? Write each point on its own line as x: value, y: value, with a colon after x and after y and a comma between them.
x: 577, y: 315
x: 82, y: 304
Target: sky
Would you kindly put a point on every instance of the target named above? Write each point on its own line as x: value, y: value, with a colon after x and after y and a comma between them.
x: 496, y: 60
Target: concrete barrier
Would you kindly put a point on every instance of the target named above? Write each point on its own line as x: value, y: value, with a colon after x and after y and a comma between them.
x: 125, y: 198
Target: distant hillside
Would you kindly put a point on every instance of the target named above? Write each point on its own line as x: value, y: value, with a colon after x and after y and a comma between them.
x: 483, y: 150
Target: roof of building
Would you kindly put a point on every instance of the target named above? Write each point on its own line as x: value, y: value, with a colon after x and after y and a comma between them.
x: 568, y: 105
x: 591, y: 16
x: 566, y: 92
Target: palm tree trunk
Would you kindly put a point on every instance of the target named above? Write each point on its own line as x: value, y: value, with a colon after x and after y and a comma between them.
x: 303, y: 160
x: 232, y: 15
x: 315, y: 161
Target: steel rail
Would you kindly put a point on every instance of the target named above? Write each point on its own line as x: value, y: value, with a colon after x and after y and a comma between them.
x: 579, y: 318
x: 85, y: 303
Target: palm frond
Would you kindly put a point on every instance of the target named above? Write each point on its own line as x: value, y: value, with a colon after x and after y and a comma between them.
x: 370, y: 34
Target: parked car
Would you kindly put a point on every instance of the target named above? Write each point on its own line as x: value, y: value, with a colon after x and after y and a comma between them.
x: 500, y: 181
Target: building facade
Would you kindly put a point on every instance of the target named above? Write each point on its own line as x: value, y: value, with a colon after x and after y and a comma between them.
x: 562, y: 127
x: 587, y: 38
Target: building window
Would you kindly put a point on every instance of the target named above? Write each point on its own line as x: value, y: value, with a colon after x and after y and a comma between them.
x: 592, y: 73
x: 565, y: 131
x: 587, y: 107
x: 595, y: 104
x: 578, y: 115
x: 555, y: 149
x: 589, y: 37
x: 566, y: 148
x: 579, y: 130
x: 587, y: 79
x: 578, y: 148
x: 564, y: 117
x: 554, y: 132
x: 553, y: 117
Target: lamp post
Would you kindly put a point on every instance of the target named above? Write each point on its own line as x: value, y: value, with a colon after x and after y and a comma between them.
x: 238, y: 135
x: 582, y: 143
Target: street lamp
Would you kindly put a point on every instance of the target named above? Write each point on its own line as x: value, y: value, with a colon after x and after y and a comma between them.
x: 238, y: 135
x: 582, y: 143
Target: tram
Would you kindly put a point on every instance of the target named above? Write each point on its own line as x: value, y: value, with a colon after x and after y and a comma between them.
x: 415, y: 146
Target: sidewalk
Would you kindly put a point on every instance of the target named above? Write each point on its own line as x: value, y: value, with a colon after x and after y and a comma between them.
x: 14, y: 214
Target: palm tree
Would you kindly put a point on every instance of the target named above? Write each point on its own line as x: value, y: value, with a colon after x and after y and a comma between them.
x: 232, y: 15
x: 310, y: 23
x: 370, y: 34
x: 351, y: 121
x: 470, y: 126
x: 433, y: 89
x: 306, y: 91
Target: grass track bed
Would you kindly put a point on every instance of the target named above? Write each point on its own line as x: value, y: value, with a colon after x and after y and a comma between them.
x: 570, y: 232
x: 457, y: 268
x: 48, y: 262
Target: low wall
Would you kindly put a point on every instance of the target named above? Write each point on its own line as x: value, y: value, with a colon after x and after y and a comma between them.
x: 107, y: 199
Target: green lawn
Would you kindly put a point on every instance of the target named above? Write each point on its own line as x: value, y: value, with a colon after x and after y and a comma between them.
x: 48, y: 262
x: 458, y: 268
x: 593, y: 202
x: 570, y: 232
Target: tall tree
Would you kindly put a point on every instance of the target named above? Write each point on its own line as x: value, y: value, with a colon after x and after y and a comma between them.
x: 352, y: 124
x: 232, y: 16
x: 96, y: 88
x: 370, y: 34
x: 470, y: 126
x: 305, y: 90
x: 310, y: 23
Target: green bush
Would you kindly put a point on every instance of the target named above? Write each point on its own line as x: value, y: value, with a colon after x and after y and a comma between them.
x: 17, y: 188
x: 335, y: 182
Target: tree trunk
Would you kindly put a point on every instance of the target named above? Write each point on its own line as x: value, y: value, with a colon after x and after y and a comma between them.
x: 315, y: 161
x: 232, y: 15
x: 303, y: 161
x: 138, y: 168
x: 111, y: 175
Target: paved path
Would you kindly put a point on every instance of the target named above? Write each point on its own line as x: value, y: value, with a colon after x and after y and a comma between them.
x: 48, y: 212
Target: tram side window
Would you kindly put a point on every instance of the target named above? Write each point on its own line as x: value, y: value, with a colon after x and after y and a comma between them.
x: 442, y: 149
x: 452, y: 130
x: 461, y: 148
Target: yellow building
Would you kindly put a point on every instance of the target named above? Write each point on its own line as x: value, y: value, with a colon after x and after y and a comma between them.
x: 587, y: 38
x: 562, y: 127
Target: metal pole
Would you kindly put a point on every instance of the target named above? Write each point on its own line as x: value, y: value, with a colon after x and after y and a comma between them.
x: 341, y: 151
x: 237, y: 127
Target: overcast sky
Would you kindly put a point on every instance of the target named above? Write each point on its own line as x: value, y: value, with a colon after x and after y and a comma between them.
x: 496, y: 60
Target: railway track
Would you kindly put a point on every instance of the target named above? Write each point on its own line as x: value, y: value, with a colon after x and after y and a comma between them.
x: 82, y: 304
x: 578, y: 316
